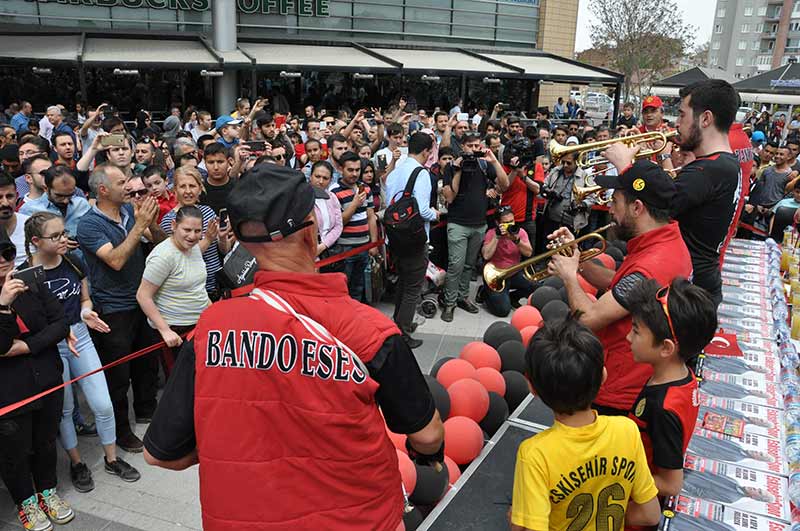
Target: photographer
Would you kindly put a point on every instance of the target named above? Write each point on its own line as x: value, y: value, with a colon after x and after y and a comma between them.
x: 504, y: 247
x: 526, y: 175
x: 466, y: 183
x: 561, y: 209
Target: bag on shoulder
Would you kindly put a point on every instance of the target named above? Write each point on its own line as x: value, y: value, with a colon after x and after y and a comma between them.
x: 405, y: 228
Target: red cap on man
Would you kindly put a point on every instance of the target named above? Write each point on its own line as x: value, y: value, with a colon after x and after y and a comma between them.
x: 652, y: 101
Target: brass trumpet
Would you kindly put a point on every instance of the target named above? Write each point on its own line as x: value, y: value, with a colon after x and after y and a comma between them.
x: 495, y: 278
x: 584, y: 150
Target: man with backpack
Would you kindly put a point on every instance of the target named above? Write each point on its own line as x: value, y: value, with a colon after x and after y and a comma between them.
x: 470, y: 182
x: 407, y: 223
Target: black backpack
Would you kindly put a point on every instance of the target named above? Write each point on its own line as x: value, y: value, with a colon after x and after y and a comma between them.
x: 402, y: 221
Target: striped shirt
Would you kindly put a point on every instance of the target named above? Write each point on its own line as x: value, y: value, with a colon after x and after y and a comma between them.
x: 211, y: 255
x: 356, y: 231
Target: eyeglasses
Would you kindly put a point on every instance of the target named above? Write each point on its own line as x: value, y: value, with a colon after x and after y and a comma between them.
x: 138, y: 193
x: 662, y: 296
x: 8, y: 253
x: 55, y: 238
x: 279, y: 157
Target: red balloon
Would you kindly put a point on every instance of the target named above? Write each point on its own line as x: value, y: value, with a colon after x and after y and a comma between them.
x: 527, y: 333
x: 452, y: 469
x: 479, y: 354
x: 588, y: 288
x: 398, y: 440
x: 463, y: 439
x: 492, y: 380
x: 455, y: 370
x: 526, y: 316
x: 608, y: 261
x: 468, y: 398
x: 408, y: 471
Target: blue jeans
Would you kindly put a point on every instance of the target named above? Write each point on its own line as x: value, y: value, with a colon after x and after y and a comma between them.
x: 354, y: 267
x: 499, y: 303
x: 94, y: 388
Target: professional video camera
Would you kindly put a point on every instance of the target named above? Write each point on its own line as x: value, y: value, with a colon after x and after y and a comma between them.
x: 524, y: 150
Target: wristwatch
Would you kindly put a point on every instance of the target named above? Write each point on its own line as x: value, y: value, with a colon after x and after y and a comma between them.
x: 664, y: 156
x: 6, y: 308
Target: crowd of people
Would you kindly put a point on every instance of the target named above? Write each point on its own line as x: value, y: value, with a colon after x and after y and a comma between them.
x: 118, y: 237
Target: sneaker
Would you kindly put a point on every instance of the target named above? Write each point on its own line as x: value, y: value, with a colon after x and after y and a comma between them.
x: 81, y: 477
x: 130, y: 443
x: 32, y: 517
x: 447, y: 313
x: 411, y: 342
x: 411, y: 328
x: 54, y: 507
x: 122, y: 469
x: 86, y: 430
x: 468, y: 306
x: 480, y: 295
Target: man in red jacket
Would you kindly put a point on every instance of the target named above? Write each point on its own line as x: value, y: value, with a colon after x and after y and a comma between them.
x: 277, y: 398
x: 640, y: 208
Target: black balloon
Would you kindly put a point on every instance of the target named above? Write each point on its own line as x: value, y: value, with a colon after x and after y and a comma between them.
x: 553, y: 282
x: 440, y: 396
x: 555, y: 310
x: 512, y: 356
x: 619, y: 244
x: 431, y: 485
x: 615, y: 253
x: 413, y: 519
x: 499, y: 332
x: 544, y: 295
x: 516, y: 388
x: 438, y: 365
x: 562, y: 292
x: 497, y: 414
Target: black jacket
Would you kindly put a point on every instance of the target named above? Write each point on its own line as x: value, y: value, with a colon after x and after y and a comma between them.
x: 28, y: 374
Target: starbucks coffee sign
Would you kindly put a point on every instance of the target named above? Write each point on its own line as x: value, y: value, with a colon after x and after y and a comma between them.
x: 305, y: 8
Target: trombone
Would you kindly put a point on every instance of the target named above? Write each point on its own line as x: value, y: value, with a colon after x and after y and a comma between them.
x: 495, y: 278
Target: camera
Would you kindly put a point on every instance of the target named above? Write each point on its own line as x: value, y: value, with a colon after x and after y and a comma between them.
x: 524, y: 150
x: 472, y: 157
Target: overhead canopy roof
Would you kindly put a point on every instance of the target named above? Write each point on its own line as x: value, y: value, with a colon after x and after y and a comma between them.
x: 347, y: 58
x: 698, y: 73
x: 138, y: 52
x: 441, y: 61
x: 781, y: 86
x: 551, y: 67
x: 41, y: 48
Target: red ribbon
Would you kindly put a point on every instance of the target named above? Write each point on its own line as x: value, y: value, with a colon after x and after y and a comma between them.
x: 751, y: 228
x: 125, y: 359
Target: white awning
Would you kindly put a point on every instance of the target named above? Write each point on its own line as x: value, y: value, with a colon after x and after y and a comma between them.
x: 780, y: 99
x: 667, y: 92
x: 302, y: 55
x: 125, y: 52
x: 441, y: 60
x: 40, y: 47
x: 549, y: 67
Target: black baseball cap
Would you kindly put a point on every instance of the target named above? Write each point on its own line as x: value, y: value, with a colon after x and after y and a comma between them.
x: 646, y: 181
x: 277, y: 196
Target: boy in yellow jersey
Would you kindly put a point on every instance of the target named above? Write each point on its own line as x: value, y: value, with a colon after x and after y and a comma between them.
x: 586, y: 472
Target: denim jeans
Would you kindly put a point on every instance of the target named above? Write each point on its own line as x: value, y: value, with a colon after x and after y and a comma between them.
x: 499, y: 303
x: 94, y: 388
x: 463, y: 244
x: 354, y: 267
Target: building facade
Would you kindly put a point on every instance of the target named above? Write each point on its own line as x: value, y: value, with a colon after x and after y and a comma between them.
x: 754, y: 36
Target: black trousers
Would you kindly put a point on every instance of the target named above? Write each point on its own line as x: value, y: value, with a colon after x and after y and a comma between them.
x: 28, y: 448
x: 129, y: 333
x: 411, y: 267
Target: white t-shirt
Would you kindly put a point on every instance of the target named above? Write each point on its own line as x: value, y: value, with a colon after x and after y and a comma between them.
x: 18, y: 239
x: 181, y: 296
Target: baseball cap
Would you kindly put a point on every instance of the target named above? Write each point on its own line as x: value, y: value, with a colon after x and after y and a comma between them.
x: 277, y: 196
x: 758, y: 136
x: 652, y: 101
x: 226, y: 119
x: 646, y: 181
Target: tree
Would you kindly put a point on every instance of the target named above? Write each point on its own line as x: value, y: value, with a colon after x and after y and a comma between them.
x: 699, y: 55
x: 648, y: 37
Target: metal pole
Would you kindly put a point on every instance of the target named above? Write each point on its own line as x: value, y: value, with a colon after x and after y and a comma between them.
x: 223, y: 24
x: 617, y: 94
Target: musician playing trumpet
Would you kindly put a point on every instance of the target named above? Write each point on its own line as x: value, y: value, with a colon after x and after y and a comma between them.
x: 643, y: 193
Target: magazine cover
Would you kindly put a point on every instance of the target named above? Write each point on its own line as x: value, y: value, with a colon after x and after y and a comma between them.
x: 723, y: 389
x: 737, y: 269
x: 742, y: 259
x: 757, y: 327
x: 737, y: 487
x: 751, y: 450
x: 684, y: 513
x: 757, y: 310
x: 746, y: 367
x: 739, y: 417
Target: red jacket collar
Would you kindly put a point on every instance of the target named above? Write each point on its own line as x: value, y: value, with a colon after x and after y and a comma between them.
x: 306, y: 284
x: 640, y: 243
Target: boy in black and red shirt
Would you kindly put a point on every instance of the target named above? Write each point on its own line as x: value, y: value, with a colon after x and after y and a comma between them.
x: 671, y: 325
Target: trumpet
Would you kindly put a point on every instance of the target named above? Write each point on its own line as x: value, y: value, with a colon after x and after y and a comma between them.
x: 584, y: 160
x: 579, y: 193
x: 495, y: 278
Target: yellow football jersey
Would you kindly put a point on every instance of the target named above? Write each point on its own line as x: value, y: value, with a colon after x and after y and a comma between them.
x: 576, y: 479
